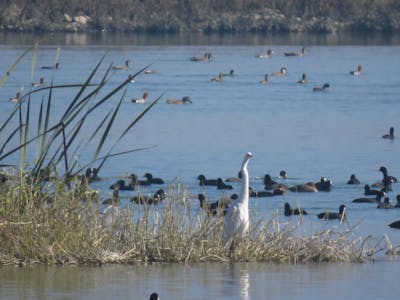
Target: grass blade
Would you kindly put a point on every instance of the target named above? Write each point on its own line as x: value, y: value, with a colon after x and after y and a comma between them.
x: 108, y: 128
x: 12, y: 67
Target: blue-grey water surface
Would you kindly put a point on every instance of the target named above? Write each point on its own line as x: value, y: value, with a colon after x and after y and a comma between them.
x: 284, y: 124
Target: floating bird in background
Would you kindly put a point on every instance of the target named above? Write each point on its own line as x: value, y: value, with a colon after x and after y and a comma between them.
x: 141, y: 100
x: 308, y: 187
x: 375, y: 199
x: 282, y: 72
x: 17, y: 98
x: 395, y: 224
x: 221, y: 185
x: 296, y: 211
x: 237, y: 216
x: 55, y: 67
x: 219, y: 78
x: 334, y: 215
x: 356, y: 72
x: 184, y: 100
x: 387, y: 178
x: 390, y: 135
x: 203, y: 181
x: 115, y: 198
x: 266, y: 54
x: 230, y: 74
x: 125, y: 66
x: 321, y: 88
x: 303, y: 79
x: 153, y: 180
x: 154, y: 296
x: 38, y: 84
x: 265, y: 80
x: 353, y: 180
x: 217, y: 207
x: 385, y: 204
x: 269, y: 184
x: 156, y: 199
x: 302, y: 53
x: 324, y: 185
x: 207, y: 56
x: 368, y: 191
x: 136, y: 181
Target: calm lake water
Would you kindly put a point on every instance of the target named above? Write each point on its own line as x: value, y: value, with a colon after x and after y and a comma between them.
x: 284, y: 124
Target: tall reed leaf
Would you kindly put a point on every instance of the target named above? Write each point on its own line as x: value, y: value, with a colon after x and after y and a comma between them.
x: 108, y: 128
x: 12, y: 67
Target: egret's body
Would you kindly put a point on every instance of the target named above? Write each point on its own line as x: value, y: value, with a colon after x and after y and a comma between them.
x: 237, y: 216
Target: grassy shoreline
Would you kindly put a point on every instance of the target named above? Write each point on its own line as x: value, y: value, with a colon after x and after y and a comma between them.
x: 68, y: 228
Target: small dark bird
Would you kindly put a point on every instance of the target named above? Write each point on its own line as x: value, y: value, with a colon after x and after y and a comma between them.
x: 156, y: 199
x: 221, y: 185
x: 115, y: 198
x: 375, y: 199
x: 321, y: 88
x: 395, y: 224
x: 324, y: 185
x: 389, y: 136
x: 154, y: 296
x: 216, y: 207
x: 386, y: 177
x: 153, y: 180
x: 385, y: 204
x: 296, y: 211
x: 334, y: 215
x: 136, y: 181
x: 203, y: 181
x: 260, y: 194
x: 353, y: 180
x: 269, y: 184
x: 368, y: 191
x: 122, y: 185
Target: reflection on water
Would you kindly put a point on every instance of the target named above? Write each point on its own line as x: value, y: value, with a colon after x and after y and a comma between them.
x: 120, y: 39
x: 202, y: 281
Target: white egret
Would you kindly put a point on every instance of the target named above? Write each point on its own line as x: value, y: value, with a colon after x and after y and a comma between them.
x: 237, y: 216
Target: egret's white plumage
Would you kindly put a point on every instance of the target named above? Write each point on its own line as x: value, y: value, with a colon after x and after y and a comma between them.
x: 237, y: 216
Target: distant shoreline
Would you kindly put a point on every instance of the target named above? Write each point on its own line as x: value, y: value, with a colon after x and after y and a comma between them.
x: 203, y: 16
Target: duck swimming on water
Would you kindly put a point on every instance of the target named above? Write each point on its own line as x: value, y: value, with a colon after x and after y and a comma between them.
x: 302, y: 53
x: 303, y: 79
x: 203, y: 181
x: 293, y: 211
x: 321, y: 88
x: 141, y: 100
x: 353, y: 180
x: 281, y: 72
x: 17, y: 98
x: 333, y: 215
x: 38, y: 84
x: 184, y: 100
x: 389, y: 136
x: 55, y: 67
x: 124, y: 67
x: 267, y: 54
x: 219, y: 78
x: 356, y: 72
x: 265, y: 80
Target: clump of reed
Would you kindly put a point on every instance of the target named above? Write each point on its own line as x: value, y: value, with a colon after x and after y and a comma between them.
x: 65, y: 226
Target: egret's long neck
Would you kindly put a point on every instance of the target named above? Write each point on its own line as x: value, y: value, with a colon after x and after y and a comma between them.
x: 244, y: 192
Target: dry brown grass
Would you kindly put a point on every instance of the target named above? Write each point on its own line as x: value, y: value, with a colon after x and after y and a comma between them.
x: 65, y: 227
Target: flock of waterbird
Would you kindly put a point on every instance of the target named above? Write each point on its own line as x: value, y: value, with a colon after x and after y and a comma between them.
x: 208, y: 56
x: 234, y: 208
